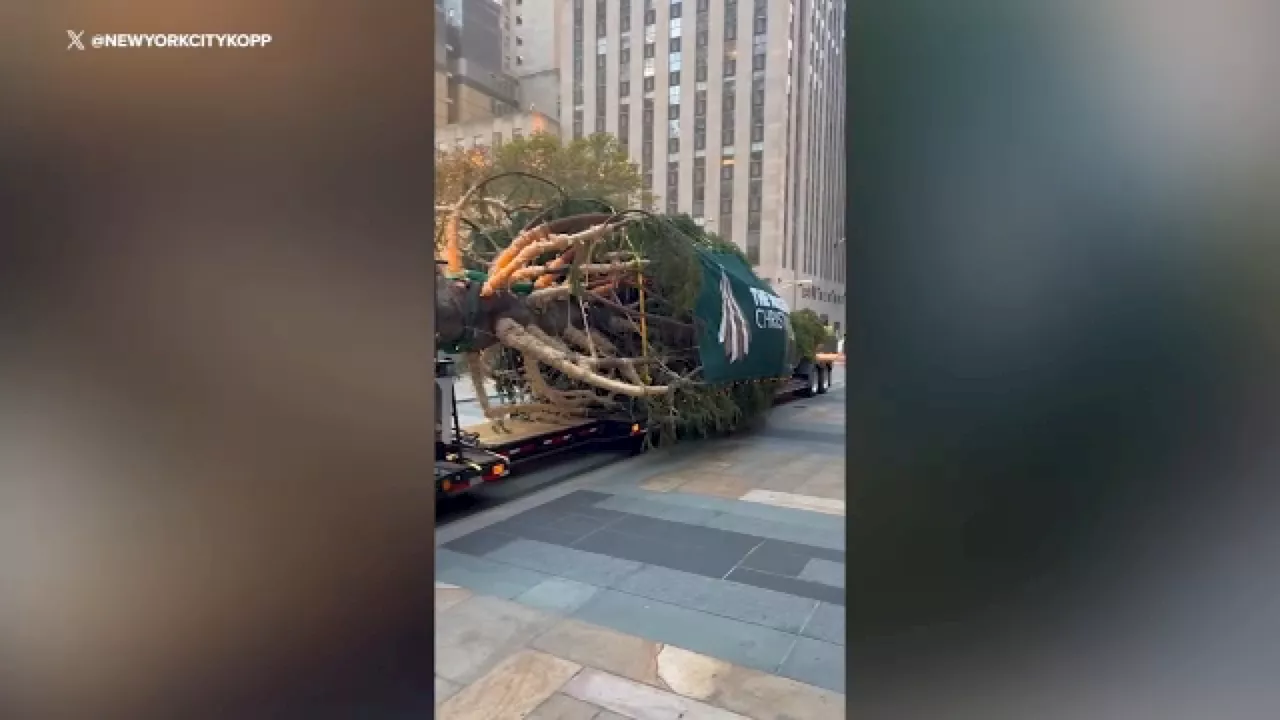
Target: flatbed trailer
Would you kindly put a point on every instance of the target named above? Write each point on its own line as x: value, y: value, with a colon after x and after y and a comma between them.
x: 468, y: 457
x: 811, y: 377
x: 460, y: 466
x: 528, y: 440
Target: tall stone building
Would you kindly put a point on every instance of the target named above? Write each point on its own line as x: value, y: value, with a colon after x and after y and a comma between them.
x: 734, y: 110
x: 533, y: 32
x: 471, y: 84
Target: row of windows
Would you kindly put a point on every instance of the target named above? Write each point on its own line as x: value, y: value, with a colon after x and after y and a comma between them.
x: 675, y: 62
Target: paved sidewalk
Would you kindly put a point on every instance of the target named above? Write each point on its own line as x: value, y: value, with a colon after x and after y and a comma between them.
x: 702, y: 583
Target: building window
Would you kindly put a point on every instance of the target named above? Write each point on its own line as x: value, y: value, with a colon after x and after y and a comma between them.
x: 673, y: 112
x: 648, y: 84
x: 601, y: 46
x: 624, y: 88
x: 673, y: 78
x: 676, y: 9
x: 673, y: 61
x: 648, y: 67
x: 674, y: 27
x: 577, y: 124
x: 730, y: 66
x: 726, y: 135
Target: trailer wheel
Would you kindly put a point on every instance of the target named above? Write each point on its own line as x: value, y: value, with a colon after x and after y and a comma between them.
x: 824, y: 380
x: 639, y: 445
x: 811, y: 382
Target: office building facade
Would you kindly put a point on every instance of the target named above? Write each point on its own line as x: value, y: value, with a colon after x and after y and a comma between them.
x: 734, y: 110
x: 471, y: 84
x: 532, y: 38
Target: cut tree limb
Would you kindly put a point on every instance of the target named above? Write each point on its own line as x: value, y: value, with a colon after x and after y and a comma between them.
x: 511, y: 334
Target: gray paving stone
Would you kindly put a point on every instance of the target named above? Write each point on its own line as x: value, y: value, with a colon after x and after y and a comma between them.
x: 557, y: 595
x: 689, y: 500
x: 804, y: 432
x: 834, y: 524
x: 810, y: 551
x: 730, y: 640
x: 827, y: 624
x: 577, y: 499
x: 711, y: 562
x: 803, y: 518
x: 568, y: 505
x: 782, y: 483
x: 790, y: 586
x: 789, y: 559
x: 560, y: 529
x: 824, y: 571
x: 562, y: 707
x: 802, y: 534
x: 772, y: 558
x: 816, y: 663
x: 587, y: 567
x: 472, y: 638
x: 686, y: 534
x: 485, y: 577
x: 480, y: 542
x: 662, y: 510
x: 758, y: 606
x: 445, y: 689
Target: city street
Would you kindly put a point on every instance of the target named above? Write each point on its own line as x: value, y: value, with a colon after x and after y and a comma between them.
x: 706, y: 581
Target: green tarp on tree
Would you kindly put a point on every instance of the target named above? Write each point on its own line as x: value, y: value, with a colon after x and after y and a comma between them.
x: 744, y: 334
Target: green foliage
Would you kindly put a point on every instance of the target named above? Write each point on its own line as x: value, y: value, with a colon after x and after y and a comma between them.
x: 671, y: 282
x: 594, y: 167
x: 810, y: 332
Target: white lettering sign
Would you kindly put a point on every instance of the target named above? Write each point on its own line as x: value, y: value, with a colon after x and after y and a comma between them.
x: 771, y: 310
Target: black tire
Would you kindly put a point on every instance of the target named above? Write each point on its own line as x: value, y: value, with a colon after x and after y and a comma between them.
x: 814, y: 380
x: 824, y: 380
x: 638, y: 445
